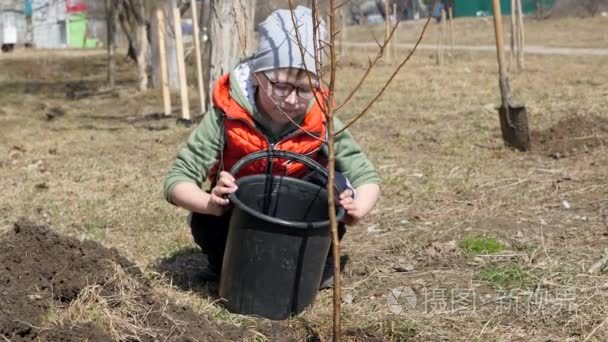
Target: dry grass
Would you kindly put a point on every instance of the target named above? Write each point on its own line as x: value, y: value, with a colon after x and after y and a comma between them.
x: 559, y: 32
x: 121, y: 314
x: 96, y: 172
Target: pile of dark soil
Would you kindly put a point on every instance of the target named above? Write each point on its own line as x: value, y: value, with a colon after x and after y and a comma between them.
x: 43, y: 273
x: 572, y: 136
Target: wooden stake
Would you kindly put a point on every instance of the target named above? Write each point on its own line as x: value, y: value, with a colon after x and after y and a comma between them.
x: 387, y: 29
x: 520, y: 22
x: 199, y: 60
x: 111, y: 28
x: 343, y: 33
x: 183, y: 83
x: 451, y: 29
x: 164, y: 73
x: 393, y: 47
x: 442, y: 27
x: 142, y: 56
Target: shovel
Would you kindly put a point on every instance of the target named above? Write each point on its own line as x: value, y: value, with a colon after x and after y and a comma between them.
x: 513, y: 118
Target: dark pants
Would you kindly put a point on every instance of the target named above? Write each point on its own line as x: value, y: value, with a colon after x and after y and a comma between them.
x: 210, y: 233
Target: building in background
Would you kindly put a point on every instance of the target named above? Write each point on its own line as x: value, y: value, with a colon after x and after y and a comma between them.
x: 49, y: 21
x: 13, y: 31
x: 61, y: 24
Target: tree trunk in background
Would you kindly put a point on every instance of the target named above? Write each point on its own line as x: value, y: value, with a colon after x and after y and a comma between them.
x: 539, y: 10
x: 170, y: 48
x: 226, y: 38
x: 205, y: 47
x: 593, y: 6
x: 133, y: 19
x: 111, y: 44
x: 251, y: 43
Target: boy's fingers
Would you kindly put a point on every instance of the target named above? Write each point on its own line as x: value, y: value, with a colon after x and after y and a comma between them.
x: 346, y: 193
x: 346, y: 201
x: 226, y: 175
x: 225, y: 182
x: 221, y: 191
x: 348, y: 206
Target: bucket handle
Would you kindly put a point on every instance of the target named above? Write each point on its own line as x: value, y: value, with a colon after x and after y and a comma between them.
x: 278, y: 154
x: 283, y: 155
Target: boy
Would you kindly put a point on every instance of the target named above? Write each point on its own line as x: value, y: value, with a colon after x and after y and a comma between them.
x: 266, y: 102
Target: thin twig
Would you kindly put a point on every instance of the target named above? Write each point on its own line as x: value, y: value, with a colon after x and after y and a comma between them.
x: 303, y: 54
x: 407, y: 58
x: 371, y: 65
x: 595, y: 329
x: 501, y: 255
x: 31, y: 325
x: 542, y: 241
x: 599, y: 265
x: 484, y: 328
x: 316, y: 22
x: 342, y: 4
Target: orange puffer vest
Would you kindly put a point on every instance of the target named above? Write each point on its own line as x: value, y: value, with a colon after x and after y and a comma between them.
x: 243, y: 138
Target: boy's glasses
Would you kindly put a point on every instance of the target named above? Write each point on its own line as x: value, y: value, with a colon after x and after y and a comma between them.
x: 283, y: 89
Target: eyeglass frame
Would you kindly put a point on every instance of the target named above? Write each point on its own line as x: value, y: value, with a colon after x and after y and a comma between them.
x: 293, y: 87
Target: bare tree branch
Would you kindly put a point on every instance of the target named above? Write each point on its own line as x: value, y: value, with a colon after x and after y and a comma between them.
x: 316, y: 22
x: 407, y: 58
x: 303, y: 53
x: 379, y: 56
x: 342, y: 4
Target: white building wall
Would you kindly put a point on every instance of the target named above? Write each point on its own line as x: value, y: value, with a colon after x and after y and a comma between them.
x: 12, y: 27
x: 49, y: 24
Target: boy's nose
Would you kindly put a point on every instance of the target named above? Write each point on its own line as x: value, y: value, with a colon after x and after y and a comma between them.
x: 292, y: 98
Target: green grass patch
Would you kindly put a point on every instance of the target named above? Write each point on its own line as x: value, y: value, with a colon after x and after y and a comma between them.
x: 481, y: 245
x: 395, y: 330
x: 504, y: 276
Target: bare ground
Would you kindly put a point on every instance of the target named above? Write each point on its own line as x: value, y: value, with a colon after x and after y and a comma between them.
x: 89, y: 163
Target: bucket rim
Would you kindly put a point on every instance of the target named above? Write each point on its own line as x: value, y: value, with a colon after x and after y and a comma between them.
x: 291, y: 224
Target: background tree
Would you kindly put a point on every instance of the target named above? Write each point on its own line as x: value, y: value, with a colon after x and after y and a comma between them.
x: 225, y: 18
x: 137, y: 21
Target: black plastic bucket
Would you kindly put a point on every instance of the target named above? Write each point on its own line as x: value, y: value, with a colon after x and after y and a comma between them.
x: 277, y: 243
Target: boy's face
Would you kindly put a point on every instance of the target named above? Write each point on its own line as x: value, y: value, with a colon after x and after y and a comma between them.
x: 284, y: 92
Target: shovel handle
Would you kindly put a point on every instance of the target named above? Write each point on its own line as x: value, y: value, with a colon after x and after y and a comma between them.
x: 500, y: 39
x: 500, y: 52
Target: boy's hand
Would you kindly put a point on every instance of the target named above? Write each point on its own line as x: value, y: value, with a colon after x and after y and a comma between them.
x: 354, y: 212
x: 219, y: 194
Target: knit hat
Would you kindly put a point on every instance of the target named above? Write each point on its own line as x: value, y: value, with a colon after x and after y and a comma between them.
x: 278, y: 44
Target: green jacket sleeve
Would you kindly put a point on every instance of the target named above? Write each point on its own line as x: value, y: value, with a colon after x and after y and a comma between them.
x: 199, y: 155
x: 350, y: 159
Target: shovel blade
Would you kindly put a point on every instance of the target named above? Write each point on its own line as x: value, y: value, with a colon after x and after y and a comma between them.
x: 514, y: 126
